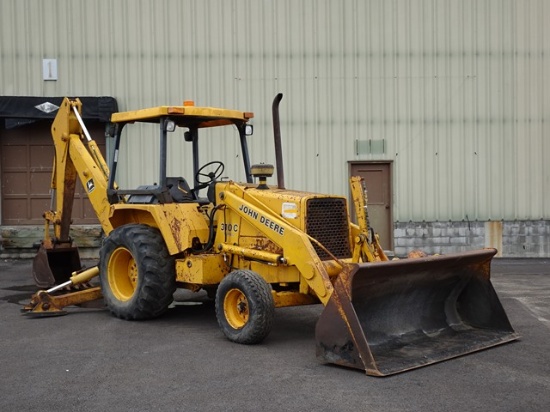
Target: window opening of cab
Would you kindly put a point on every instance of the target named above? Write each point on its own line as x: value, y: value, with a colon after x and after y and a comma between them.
x: 141, y: 148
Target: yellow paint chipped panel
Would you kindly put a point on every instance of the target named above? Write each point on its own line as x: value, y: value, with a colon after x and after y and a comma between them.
x: 179, y: 223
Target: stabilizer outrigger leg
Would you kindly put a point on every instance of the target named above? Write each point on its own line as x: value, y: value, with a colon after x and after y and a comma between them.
x: 44, y: 304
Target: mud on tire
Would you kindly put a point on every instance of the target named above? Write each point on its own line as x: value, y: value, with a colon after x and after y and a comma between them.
x: 137, y: 273
x: 245, y: 307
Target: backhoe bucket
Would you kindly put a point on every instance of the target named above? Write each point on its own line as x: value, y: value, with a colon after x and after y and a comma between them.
x: 389, y: 317
x: 53, y: 266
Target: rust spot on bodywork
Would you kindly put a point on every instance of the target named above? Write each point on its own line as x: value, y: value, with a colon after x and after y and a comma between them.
x: 267, y: 246
x: 175, y: 227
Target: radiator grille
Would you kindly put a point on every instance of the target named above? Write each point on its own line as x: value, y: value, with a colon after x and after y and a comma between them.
x: 327, y: 222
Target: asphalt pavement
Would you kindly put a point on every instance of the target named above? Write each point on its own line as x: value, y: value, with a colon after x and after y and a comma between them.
x: 91, y: 361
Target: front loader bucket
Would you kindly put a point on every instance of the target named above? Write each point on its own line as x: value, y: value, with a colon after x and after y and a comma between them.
x: 53, y: 266
x: 389, y: 317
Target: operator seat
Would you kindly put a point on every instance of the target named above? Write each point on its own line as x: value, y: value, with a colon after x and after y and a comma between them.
x: 179, y: 190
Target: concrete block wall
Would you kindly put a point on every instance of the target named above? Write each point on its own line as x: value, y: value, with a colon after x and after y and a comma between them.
x: 510, y: 238
x: 526, y: 238
x: 19, y: 242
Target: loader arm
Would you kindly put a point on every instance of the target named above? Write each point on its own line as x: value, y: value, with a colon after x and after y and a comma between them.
x: 298, y: 250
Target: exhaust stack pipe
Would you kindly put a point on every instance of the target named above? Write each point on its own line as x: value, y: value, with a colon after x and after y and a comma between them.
x: 278, y: 146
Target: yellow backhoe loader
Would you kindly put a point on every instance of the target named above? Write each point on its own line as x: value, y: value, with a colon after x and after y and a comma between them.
x: 256, y: 247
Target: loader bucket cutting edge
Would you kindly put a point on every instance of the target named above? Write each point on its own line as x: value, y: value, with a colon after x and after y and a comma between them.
x: 53, y: 266
x: 410, y: 313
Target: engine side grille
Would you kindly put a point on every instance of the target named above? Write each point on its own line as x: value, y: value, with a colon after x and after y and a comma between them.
x: 327, y: 222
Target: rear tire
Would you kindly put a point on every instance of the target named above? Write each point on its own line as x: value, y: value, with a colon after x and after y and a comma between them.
x: 245, y: 307
x: 137, y: 274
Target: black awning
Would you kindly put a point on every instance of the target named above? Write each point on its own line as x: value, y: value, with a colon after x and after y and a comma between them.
x: 19, y: 110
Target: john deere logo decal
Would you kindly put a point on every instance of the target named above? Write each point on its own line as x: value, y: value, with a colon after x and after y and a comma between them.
x: 90, y: 185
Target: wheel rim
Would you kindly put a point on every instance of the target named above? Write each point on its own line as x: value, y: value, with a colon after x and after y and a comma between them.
x: 235, y: 307
x: 122, y: 274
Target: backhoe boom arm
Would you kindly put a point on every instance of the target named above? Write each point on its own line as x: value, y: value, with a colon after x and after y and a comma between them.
x: 74, y: 158
x: 76, y: 154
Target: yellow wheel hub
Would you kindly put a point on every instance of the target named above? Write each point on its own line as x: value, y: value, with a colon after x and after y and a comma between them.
x: 235, y: 307
x: 122, y: 274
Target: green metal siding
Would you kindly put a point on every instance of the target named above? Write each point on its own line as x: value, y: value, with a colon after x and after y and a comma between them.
x: 456, y: 93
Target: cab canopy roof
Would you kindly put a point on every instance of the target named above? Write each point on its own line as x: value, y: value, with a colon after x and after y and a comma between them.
x: 187, y: 115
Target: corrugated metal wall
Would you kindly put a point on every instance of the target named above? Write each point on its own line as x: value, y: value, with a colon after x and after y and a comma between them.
x: 455, y: 93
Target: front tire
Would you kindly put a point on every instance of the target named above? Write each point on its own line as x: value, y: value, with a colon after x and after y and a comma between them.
x: 245, y: 307
x: 137, y: 274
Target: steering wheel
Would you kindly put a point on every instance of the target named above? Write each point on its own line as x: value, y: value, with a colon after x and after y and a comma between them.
x: 204, y: 178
